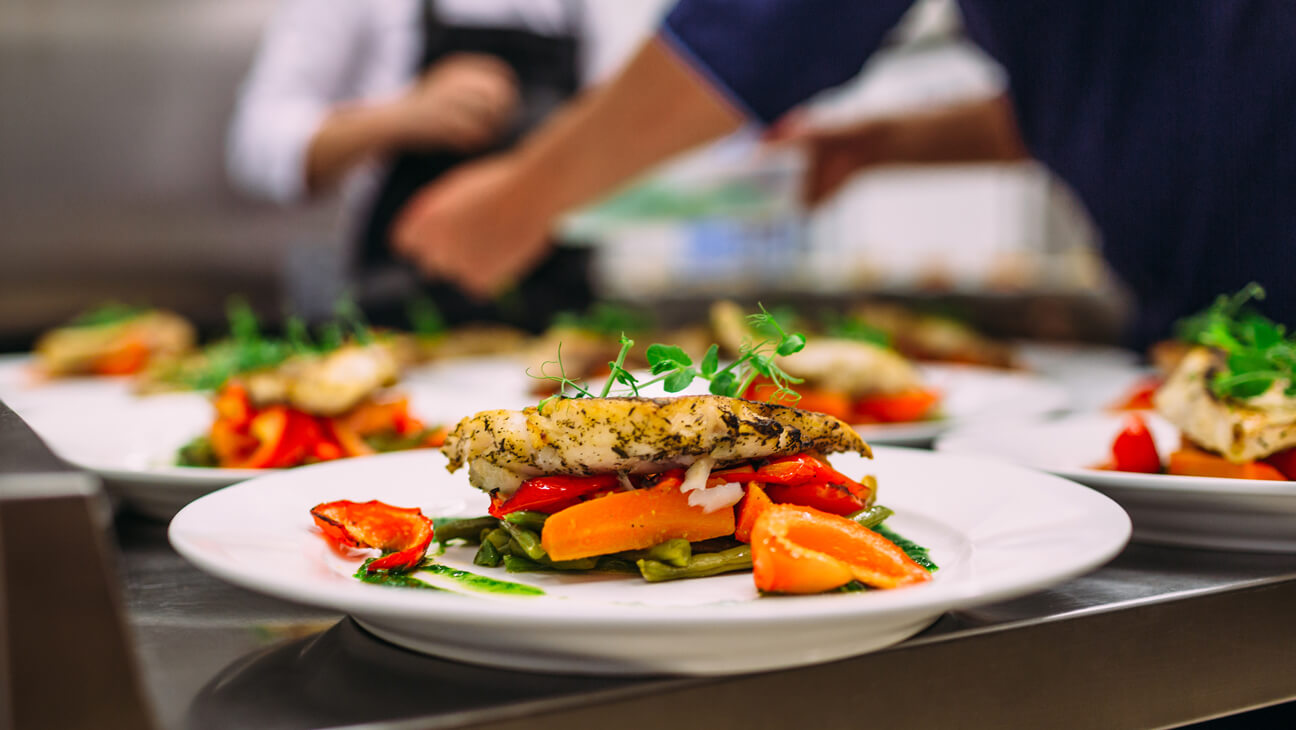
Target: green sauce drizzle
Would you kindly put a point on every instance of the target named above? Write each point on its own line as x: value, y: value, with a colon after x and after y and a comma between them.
x: 916, y: 552
x: 480, y: 583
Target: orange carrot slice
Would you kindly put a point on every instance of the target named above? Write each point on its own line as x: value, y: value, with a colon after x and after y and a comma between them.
x: 127, y: 358
x: 802, y: 550
x: 751, y: 507
x: 1192, y: 462
x: 631, y: 521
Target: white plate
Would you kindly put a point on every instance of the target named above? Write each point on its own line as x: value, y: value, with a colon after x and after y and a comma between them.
x: 1094, y: 377
x: 132, y: 441
x: 25, y: 389
x: 996, y: 530
x: 1232, y: 514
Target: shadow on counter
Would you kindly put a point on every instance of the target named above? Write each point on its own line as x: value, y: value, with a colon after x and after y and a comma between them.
x: 346, y: 676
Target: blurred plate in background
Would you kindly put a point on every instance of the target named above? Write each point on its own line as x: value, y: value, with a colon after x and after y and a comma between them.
x: 1229, y: 514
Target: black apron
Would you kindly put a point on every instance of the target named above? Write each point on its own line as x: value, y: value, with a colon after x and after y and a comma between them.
x: 547, y: 72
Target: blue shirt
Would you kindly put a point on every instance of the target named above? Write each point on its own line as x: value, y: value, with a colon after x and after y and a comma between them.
x: 1174, y: 120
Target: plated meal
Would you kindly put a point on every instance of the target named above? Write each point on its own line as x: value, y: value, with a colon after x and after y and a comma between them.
x: 681, y: 487
x: 314, y: 406
x: 113, y: 340
x: 1232, y: 396
x: 858, y: 380
x: 666, y: 489
x: 1211, y: 465
x: 929, y: 337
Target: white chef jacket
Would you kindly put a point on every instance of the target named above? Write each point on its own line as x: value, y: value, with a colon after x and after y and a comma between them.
x: 318, y: 54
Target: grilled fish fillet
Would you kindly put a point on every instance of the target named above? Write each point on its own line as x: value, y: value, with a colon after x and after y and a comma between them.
x: 634, y: 435
x: 326, y: 385
x: 71, y: 350
x: 1240, y: 431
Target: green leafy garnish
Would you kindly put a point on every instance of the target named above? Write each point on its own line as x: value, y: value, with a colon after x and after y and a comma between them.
x: 351, y: 317
x: 854, y: 328
x: 609, y: 320
x: 425, y: 317
x: 1258, y: 351
x: 675, y: 370
x: 107, y: 314
x: 249, y: 349
x: 782, y: 317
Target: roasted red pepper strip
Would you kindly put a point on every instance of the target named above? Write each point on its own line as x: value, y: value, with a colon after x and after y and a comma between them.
x: 1134, y: 449
x: 551, y: 494
x: 1139, y: 396
x: 795, y: 470
x: 903, y: 407
x: 1284, y: 461
x: 741, y: 474
x: 404, y: 533
x: 284, y: 437
x: 835, y: 499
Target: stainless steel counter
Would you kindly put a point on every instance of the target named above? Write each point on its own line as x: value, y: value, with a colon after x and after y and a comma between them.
x: 1159, y: 637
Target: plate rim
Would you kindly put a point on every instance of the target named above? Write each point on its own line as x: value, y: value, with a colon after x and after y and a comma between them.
x: 960, y: 441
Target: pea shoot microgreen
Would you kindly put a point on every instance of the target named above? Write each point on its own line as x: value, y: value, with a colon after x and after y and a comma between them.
x: 248, y: 348
x: 1258, y: 351
x: 106, y: 314
x: 671, y: 366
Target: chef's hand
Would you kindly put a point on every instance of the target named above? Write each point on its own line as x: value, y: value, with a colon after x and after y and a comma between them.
x: 464, y: 102
x: 833, y: 155
x: 477, y: 227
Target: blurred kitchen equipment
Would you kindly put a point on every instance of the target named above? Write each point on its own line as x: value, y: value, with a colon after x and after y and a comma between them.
x: 66, y: 660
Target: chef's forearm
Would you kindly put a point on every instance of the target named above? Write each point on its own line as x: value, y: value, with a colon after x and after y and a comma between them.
x: 655, y: 108
x: 348, y: 136
x: 984, y: 130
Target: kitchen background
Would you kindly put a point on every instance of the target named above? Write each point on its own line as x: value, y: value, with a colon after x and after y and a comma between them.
x: 113, y: 187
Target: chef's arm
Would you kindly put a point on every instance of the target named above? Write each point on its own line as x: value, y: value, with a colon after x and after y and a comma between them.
x: 463, y: 102
x: 349, y: 135
x: 983, y: 130
x: 657, y: 107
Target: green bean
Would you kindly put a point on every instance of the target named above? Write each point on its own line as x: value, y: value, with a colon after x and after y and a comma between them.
x: 615, y: 564
x: 578, y: 564
x: 699, y: 566
x: 675, y: 553
x: 518, y: 564
x: 871, y: 517
x: 526, y: 541
x: 487, y: 555
x: 714, y: 545
x: 499, y: 537
x: 533, y: 521
x: 461, y: 528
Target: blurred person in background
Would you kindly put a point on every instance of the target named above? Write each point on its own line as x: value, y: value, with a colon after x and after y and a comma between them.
x: 1173, y: 121
x: 383, y: 96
